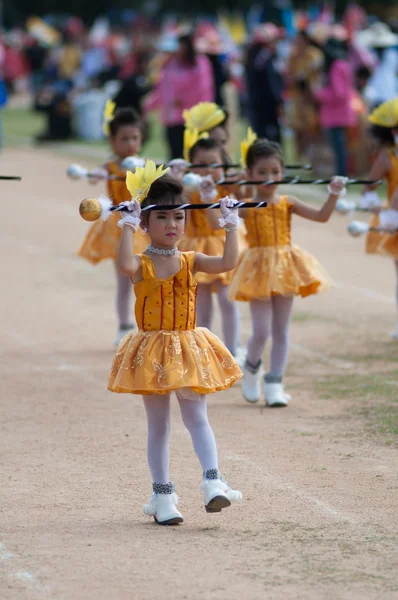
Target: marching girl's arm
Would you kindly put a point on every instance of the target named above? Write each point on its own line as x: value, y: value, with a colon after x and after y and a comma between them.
x: 128, y: 262
x: 379, y: 170
x: 228, y: 261
x: 322, y: 214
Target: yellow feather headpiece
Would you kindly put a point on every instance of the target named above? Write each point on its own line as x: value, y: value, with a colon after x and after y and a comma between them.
x: 385, y: 115
x: 203, y: 116
x: 109, y: 113
x: 191, y: 136
x: 245, y: 145
x: 139, y: 183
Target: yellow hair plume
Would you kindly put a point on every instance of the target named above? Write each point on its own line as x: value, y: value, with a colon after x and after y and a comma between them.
x: 139, y: 183
x: 203, y: 116
x: 191, y: 136
x: 385, y: 115
x: 245, y: 145
x: 109, y: 113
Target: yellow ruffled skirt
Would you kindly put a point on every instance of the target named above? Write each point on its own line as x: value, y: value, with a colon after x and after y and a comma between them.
x: 266, y: 271
x: 103, y: 239
x: 385, y: 244
x: 158, y: 362
x: 211, y: 245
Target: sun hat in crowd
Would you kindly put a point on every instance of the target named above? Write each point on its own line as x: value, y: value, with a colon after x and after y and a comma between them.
x: 266, y: 33
x: 378, y: 35
x: 386, y: 114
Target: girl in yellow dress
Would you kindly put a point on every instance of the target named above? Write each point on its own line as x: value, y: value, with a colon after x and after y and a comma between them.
x: 272, y: 271
x: 203, y: 234
x: 103, y: 238
x: 384, y: 129
x: 169, y: 353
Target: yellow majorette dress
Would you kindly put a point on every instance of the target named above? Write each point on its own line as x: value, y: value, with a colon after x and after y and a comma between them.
x: 168, y: 352
x: 199, y: 236
x: 385, y: 244
x: 272, y: 265
x: 103, y: 238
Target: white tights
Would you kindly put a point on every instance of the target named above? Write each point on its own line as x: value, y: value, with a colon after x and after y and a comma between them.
x: 124, y: 290
x: 270, y: 318
x: 230, y: 319
x: 194, y: 415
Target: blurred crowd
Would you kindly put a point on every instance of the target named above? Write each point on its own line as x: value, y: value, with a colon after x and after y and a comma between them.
x: 309, y: 76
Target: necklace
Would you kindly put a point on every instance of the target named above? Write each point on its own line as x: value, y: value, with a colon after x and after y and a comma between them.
x: 153, y: 250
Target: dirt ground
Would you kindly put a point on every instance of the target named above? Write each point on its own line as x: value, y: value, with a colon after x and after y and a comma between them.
x: 319, y: 517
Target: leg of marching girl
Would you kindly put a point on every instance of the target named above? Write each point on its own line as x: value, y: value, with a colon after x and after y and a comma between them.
x: 394, y: 332
x: 163, y: 503
x: 270, y: 318
x: 261, y: 313
x: 204, y: 306
x: 230, y: 320
x: 281, y: 315
x: 124, y: 290
x: 216, y: 492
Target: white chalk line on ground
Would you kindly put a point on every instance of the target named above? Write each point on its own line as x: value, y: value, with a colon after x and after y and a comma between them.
x: 371, y: 294
x: 324, y: 507
x: 7, y: 561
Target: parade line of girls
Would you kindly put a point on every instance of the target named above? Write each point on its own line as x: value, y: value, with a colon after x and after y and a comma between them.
x: 168, y: 352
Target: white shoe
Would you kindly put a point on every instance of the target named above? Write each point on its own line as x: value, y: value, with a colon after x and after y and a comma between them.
x: 240, y: 356
x: 121, y: 332
x: 162, y: 507
x: 275, y: 395
x: 394, y: 333
x: 251, y: 384
x: 218, y: 495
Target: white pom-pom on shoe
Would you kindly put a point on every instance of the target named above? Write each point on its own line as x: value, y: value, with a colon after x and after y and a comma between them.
x: 235, y: 495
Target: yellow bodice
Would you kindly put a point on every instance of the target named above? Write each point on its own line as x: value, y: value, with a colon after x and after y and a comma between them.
x: 269, y: 226
x: 166, y: 304
x: 117, y: 190
x: 392, y: 177
x: 198, y: 223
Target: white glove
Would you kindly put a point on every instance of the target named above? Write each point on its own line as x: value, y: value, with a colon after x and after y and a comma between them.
x: 337, y: 186
x: 389, y: 220
x: 369, y: 200
x: 76, y: 172
x: 191, y: 181
x: 131, y: 217
x: 130, y: 163
x: 207, y: 189
x: 357, y: 228
x: 178, y: 167
x: 344, y: 207
x: 229, y: 214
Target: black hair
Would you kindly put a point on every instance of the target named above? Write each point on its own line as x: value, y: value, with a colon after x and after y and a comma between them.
x: 164, y: 191
x: 383, y: 135
x: 263, y: 148
x: 204, y: 144
x: 186, y: 41
x: 125, y: 116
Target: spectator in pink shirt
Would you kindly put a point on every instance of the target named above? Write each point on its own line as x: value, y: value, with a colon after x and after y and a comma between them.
x: 185, y: 79
x: 335, y: 101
